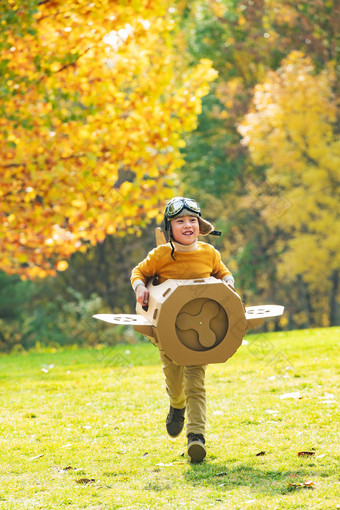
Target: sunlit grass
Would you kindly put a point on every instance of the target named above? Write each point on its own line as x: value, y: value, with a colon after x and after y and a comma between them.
x: 85, y: 429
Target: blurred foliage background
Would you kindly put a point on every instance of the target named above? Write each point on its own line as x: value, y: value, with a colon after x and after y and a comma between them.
x: 245, y: 120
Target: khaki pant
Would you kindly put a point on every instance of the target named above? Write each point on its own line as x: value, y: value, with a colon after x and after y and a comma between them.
x: 185, y: 387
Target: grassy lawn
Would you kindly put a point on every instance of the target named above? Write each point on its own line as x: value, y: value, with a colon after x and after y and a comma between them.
x: 85, y: 429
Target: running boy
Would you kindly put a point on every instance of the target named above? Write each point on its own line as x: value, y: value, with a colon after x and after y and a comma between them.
x: 183, y: 257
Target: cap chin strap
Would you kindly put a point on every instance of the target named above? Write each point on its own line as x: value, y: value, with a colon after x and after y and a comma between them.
x: 169, y: 236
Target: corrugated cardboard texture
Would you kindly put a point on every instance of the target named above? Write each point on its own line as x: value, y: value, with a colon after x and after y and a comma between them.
x: 194, y: 322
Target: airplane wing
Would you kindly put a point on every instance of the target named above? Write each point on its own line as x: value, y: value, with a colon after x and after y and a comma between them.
x: 125, y: 319
x: 260, y: 312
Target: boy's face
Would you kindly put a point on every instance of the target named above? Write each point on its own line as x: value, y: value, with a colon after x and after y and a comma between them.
x: 185, y: 229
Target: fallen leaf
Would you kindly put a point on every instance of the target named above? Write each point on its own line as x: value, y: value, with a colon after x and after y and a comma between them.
x: 68, y: 468
x: 308, y: 484
x: 84, y: 481
x: 260, y: 454
x: 294, y: 394
x: 37, y: 457
x: 328, y: 396
x: 305, y: 454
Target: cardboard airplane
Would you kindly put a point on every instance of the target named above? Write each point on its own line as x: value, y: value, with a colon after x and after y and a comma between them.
x: 195, y: 322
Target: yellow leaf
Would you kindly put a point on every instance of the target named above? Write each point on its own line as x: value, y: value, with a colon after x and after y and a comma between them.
x: 62, y: 265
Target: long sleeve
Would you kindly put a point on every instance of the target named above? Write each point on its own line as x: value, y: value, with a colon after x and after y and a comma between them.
x: 202, y: 262
x: 145, y: 269
x: 219, y: 269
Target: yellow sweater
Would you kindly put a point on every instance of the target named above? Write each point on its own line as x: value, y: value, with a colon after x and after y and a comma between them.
x: 203, y: 262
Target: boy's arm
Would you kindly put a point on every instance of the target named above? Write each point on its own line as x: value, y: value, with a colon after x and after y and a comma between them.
x: 142, y: 294
x: 221, y: 271
x: 138, y: 285
x: 144, y: 270
x: 141, y: 273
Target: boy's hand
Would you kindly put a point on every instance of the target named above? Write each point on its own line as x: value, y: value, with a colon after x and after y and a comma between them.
x: 230, y: 283
x: 142, y: 295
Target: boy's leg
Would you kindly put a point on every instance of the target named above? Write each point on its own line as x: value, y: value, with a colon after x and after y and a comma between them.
x: 174, y: 387
x: 194, y: 389
x: 173, y: 381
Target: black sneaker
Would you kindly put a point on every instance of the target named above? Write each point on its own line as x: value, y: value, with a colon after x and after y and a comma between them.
x: 175, y: 421
x: 196, y: 448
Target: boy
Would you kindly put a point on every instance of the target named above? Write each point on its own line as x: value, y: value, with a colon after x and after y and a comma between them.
x: 183, y: 257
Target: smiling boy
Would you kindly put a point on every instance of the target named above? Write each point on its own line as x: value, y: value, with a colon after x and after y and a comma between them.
x: 183, y: 257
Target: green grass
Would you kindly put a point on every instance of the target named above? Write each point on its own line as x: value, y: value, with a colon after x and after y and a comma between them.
x: 98, y: 415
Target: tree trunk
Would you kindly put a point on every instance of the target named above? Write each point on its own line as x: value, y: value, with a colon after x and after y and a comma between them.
x: 305, y: 301
x: 334, y: 315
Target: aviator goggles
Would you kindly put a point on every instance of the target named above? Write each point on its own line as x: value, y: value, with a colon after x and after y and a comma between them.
x: 177, y: 204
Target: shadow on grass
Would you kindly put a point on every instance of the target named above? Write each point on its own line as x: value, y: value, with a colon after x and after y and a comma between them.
x: 226, y: 478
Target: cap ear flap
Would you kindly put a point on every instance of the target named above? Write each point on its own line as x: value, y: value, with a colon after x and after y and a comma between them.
x: 205, y: 227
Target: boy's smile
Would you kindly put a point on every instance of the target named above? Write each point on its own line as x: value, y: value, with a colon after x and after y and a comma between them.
x: 185, y: 229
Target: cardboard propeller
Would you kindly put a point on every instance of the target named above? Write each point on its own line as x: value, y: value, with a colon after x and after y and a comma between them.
x: 194, y: 322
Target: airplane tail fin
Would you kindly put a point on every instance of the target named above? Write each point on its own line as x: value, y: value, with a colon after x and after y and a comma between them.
x: 160, y: 238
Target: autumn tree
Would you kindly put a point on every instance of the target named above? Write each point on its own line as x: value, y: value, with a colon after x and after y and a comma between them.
x: 245, y: 40
x: 293, y: 132
x: 95, y: 105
